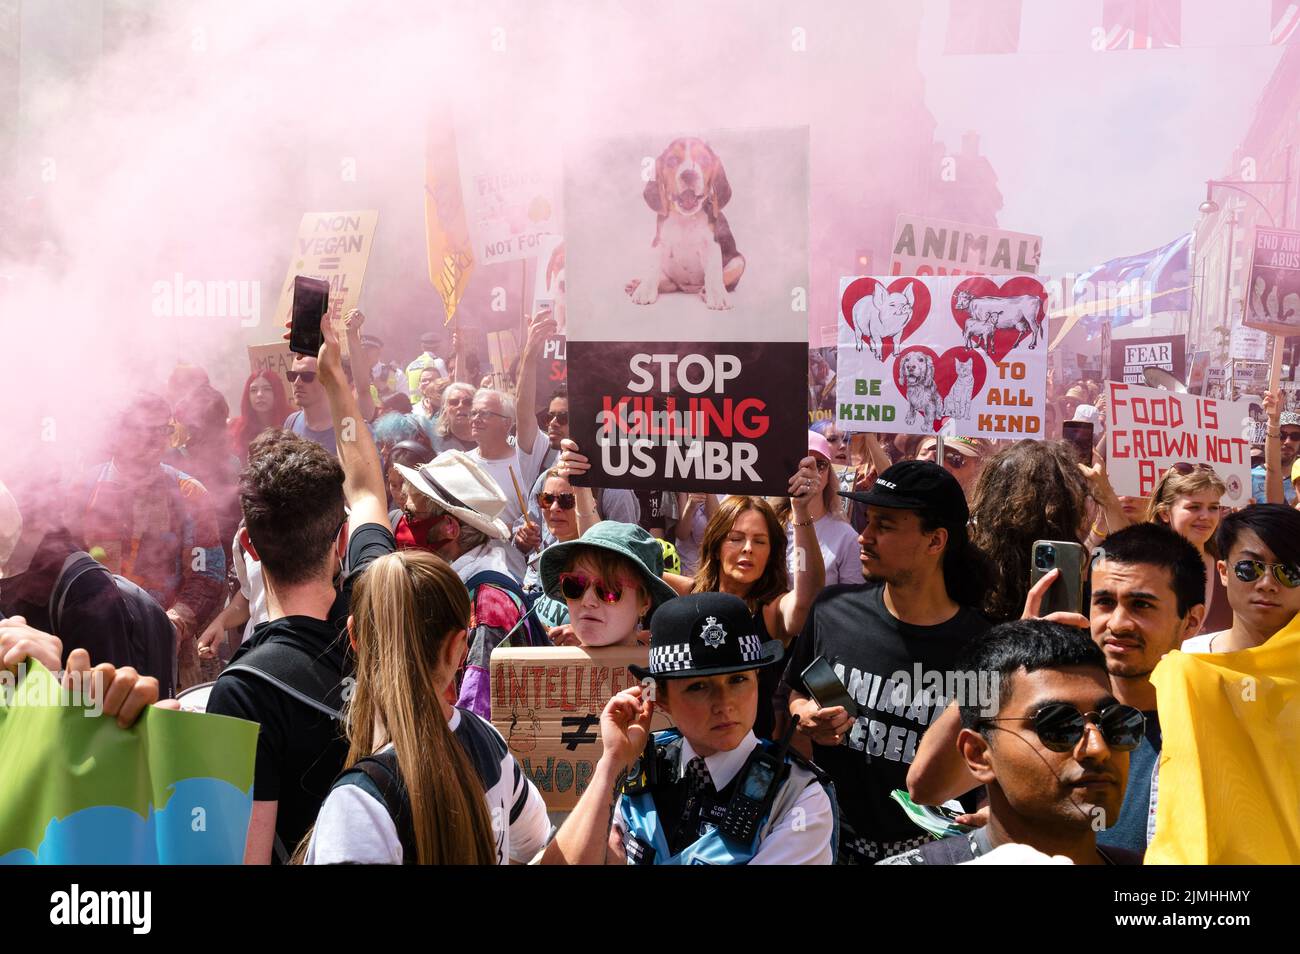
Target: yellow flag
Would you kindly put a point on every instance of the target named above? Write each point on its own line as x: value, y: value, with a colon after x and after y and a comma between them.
x: 1229, y: 780
x: 450, y: 256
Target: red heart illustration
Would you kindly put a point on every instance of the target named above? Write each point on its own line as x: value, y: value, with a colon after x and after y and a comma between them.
x: 861, y: 288
x: 999, y: 327
x: 945, y: 375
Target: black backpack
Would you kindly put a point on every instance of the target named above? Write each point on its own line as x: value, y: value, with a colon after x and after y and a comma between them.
x: 152, y: 636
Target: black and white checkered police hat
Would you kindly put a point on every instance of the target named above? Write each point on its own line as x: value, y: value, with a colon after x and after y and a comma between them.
x: 705, y: 634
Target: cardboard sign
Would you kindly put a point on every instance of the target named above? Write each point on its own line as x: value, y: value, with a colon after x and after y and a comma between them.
x: 1128, y: 356
x: 686, y: 280
x: 510, y: 197
x: 936, y: 247
x: 967, y: 356
x: 1273, y: 292
x: 546, y: 703
x: 1152, y: 429
x: 334, y: 247
x: 275, y: 357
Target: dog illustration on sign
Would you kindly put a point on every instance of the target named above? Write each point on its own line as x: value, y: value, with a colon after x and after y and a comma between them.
x: 880, y: 315
x: 916, y: 369
x: 990, y: 314
x: 693, y: 249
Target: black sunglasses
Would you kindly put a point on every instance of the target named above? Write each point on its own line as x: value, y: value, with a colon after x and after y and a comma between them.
x: 560, y: 417
x: 1248, y: 571
x: 307, y: 377
x: 1060, y: 726
x: 566, y: 501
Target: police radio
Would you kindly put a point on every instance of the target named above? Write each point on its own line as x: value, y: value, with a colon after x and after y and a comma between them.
x: 756, y: 787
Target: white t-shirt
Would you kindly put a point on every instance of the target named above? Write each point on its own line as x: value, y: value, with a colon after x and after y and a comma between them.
x: 1201, y: 643
x: 527, y: 465
x: 249, y: 573
x: 838, y: 542
x: 801, y: 837
x: 354, y: 827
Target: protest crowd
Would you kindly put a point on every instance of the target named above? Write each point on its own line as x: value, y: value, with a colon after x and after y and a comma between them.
x: 340, y: 563
x: 649, y: 453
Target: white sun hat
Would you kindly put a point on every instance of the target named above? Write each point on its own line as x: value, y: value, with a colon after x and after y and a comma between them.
x: 461, y: 487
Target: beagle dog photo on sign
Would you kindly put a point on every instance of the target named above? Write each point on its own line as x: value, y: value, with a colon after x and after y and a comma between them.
x: 693, y: 249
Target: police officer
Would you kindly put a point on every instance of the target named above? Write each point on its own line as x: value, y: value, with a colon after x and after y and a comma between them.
x: 709, y: 791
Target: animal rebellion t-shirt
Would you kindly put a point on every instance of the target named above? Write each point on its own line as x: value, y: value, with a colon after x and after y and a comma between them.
x: 869, y: 649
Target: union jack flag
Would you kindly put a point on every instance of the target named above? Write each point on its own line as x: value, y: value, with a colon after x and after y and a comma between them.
x: 1142, y: 24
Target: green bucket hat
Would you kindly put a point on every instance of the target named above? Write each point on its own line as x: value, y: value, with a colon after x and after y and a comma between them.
x: 627, y: 540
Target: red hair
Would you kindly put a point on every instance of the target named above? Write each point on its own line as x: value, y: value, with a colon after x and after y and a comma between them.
x: 247, y: 426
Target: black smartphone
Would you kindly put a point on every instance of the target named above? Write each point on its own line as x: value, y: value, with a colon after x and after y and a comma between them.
x: 1066, y: 593
x: 825, y: 687
x: 311, y: 300
x: 758, y: 782
x: 1079, y: 433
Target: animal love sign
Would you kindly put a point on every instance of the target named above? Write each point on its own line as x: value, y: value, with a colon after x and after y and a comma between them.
x: 965, y: 355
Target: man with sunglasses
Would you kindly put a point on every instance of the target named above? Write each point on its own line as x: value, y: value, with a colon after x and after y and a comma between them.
x: 1052, y: 754
x: 1286, y: 428
x: 1148, y: 596
x: 620, y: 505
x: 312, y: 419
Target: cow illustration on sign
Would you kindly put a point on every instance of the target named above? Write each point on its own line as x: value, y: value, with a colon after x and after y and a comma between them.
x: 880, y: 315
x: 989, y: 314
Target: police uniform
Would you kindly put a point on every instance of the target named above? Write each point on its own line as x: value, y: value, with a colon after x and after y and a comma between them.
x: 677, y: 807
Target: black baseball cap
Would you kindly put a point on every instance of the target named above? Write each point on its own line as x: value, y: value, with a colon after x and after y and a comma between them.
x: 705, y: 634
x: 429, y: 340
x: 918, y: 485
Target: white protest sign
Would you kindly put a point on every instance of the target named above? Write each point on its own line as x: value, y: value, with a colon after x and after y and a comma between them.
x: 510, y: 196
x: 1152, y: 429
x: 964, y: 355
x: 936, y: 247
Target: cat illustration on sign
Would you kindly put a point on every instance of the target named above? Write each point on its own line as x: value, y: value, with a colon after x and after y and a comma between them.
x: 880, y: 315
x: 989, y: 314
x: 957, y: 403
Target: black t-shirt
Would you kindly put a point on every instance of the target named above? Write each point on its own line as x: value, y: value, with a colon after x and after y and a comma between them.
x: 94, y: 617
x: 654, y: 514
x: 866, y: 646
x: 300, y: 750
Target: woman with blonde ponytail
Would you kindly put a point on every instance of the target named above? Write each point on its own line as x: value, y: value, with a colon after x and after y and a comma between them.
x: 424, y: 782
